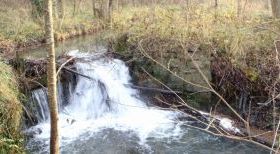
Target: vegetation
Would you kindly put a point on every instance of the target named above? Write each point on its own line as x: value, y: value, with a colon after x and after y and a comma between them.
x: 22, y: 21
x: 240, y: 39
x: 10, y: 112
x: 242, y: 43
x: 219, y: 30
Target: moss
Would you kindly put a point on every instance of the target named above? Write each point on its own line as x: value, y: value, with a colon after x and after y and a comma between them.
x: 252, y: 74
x: 10, y: 112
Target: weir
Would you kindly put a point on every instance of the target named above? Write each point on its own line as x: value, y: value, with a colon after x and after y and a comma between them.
x: 104, y: 114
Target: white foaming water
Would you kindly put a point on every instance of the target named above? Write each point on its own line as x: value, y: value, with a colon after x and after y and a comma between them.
x: 105, y: 101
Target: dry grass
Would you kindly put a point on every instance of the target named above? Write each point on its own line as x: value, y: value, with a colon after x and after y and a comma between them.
x: 248, y: 40
x: 10, y: 112
x: 19, y: 24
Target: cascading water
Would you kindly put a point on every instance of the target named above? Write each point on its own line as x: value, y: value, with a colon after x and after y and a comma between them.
x: 40, y: 97
x: 102, y: 114
x: 104, y: 101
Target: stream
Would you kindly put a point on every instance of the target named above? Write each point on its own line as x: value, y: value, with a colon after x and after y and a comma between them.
x: 105, y: 115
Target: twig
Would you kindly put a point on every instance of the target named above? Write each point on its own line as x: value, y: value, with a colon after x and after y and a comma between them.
x: 153, y: 89
x: 75, y: 72
x: 62, y: 66
x: 275, y: 136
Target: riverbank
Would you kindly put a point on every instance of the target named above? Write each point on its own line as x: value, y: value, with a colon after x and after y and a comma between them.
x: 185, y: 47
x: 22, y: 26
x: 11, y: 140
x: 240, y: 53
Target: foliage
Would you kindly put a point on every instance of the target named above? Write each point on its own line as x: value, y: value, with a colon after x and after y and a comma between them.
x: 10, y: 112
x: 39, y: 8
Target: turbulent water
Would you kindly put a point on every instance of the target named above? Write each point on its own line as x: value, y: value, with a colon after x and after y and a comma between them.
x: 102, y: 114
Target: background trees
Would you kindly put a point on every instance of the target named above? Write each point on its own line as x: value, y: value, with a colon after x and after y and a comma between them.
x: 275, y: 5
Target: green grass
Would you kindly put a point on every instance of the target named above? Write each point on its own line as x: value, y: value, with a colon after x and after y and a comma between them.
x: 10, y: 112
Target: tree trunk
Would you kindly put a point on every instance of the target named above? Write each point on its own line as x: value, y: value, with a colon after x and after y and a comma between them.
x: 54, y: 8
x: 52, y: 98
x: 75, y: 6
x: 110, y: 9
x: 266, y: 4
x: 94, y: 8
x: 60, y: 8
x: 102, y: 9
x: 275, y: 5
x: 239, y: 7
x: 216, y: 4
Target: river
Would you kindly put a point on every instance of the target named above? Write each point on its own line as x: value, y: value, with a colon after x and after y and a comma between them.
x: 105, y: 115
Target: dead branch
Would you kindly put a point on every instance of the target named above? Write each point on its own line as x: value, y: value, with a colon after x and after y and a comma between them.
x: 153, y: 89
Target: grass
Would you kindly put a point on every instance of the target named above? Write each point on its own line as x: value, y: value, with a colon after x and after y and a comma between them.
x: 246, y: 41
x: 249, y: 37
x: 19, y: 24
x: 10, y: 112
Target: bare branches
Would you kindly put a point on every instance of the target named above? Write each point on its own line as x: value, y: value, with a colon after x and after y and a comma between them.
x: 211, y: 122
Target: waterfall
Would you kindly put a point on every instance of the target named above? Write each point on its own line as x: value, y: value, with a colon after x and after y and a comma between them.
x: 101, y: 113
x: 39, y: 96
x: 104, y: 100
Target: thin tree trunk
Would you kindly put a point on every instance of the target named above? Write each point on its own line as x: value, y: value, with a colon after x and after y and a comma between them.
x: 266, y: 4
x: 75, y: 6
x: 239, y: 7
x: 275, y: 5
x: 52, y: 94
x: 102, y: 9
x: 216, y: 4
x: 60, y: 8
x: 54, y: 8
x: 94, y: 8
x: 110, y: 9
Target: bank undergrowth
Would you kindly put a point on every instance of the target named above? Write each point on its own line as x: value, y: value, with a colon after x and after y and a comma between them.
x: 246, y: 42
x: 21, y: 24
x: 11, y: 140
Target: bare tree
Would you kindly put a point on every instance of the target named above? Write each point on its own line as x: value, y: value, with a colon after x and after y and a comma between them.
x: 77, y: 4
x: 52, y: 93
x: 239, y: 7
x: 94, y: 8
x: 54, y: 8
x: 60, y: 8
x: 110, y: 9
x: 216, y: 4
x: 275, y: 5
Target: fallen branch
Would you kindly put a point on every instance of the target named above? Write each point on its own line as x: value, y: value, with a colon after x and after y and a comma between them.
x: 77, y: 73
x: 153, y: 89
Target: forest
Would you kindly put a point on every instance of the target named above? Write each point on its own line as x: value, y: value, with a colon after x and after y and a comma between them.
x: 139, y: 76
